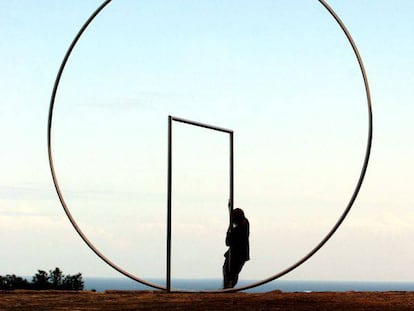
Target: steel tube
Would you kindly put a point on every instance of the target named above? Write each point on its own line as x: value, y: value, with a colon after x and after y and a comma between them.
x: 271, y: 278
x: 231, y: 194
x: 50, y: 155
x: 169, y: 189
x: 199, y: 124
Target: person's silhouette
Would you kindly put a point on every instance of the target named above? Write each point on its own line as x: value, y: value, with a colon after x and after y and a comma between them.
x: 237, y: 239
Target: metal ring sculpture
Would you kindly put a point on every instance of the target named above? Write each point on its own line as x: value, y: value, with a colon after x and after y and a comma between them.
x: 271, y: 278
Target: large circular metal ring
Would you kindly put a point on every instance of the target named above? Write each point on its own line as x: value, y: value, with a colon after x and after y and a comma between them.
x: 271, y: 278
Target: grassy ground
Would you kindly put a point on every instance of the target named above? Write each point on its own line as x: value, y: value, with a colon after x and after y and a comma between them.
x: 154, y: 300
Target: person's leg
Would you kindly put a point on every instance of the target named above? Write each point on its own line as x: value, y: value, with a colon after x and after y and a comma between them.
x: 235, y: 268
x: 227, y: 277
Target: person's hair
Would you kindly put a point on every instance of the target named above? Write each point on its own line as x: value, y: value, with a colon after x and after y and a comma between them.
x: 237, y: 215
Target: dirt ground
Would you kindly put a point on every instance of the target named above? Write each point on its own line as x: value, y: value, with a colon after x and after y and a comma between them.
x: 155, y: 300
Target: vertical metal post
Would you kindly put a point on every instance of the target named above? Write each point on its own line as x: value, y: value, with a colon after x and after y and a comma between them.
x: 231, y: 176
x: 169, y: 187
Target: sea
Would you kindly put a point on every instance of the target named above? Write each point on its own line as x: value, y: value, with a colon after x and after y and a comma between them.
x: 101, y: 284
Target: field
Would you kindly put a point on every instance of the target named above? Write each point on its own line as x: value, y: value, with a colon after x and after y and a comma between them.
x: 155, y: 300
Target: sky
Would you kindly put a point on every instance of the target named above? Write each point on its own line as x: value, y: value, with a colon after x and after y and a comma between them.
x: 280, y: 74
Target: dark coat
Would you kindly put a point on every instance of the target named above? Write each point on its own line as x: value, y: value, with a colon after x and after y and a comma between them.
x: 238, y: 241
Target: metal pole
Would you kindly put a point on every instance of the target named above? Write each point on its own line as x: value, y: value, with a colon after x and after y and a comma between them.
x: 199, y: 124
x: 168, y: 278
x: 231, y: 175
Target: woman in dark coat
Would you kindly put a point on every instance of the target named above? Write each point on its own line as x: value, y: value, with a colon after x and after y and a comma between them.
x: 237, y: 239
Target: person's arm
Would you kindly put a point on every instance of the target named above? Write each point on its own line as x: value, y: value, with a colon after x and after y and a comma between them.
x: 228, y: 236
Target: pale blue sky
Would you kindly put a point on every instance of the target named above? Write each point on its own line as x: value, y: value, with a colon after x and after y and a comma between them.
x: 279, y: 73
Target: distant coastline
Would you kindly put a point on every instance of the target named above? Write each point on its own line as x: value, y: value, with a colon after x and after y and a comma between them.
x: 101, y: 284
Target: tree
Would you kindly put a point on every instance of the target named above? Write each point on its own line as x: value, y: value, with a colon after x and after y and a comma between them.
x: 56, y: 278
x: 41, y: 280
x: 73, y: 282
x: 12, y: 281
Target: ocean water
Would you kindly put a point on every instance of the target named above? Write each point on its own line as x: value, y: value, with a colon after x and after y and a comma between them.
x: 102, y: 284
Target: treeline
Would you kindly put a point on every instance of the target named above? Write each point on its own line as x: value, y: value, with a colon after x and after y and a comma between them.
x: 42, y: 280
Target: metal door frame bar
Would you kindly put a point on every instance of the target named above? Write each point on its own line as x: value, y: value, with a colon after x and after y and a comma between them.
x: 169, y: 180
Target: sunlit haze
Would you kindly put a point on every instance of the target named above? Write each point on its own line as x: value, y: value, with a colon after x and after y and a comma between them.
x: 280, y: 74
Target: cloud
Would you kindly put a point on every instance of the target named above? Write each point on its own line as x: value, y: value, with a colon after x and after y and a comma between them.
x: 386, y: 222
x: 32, y: 191
x: 25, y: 220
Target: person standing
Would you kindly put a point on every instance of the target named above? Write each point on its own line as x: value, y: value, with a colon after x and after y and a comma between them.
x: 237, y: 239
